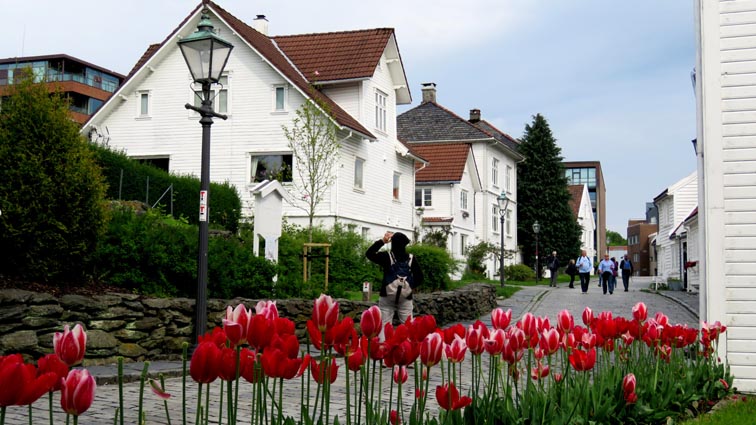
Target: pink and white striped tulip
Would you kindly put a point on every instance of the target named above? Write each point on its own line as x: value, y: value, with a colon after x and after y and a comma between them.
x: 70, y: 345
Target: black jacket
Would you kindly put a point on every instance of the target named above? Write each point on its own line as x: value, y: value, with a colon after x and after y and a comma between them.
x: 400, y: 254
x: 549, y: 260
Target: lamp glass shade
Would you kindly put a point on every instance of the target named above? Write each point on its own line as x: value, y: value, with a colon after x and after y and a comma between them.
x: 205, y: 53
x: 536, y: 227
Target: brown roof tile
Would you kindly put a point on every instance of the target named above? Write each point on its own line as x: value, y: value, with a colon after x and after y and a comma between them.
x: 446, y: 162
x: 576, y: 197
x: 145, y: 56
x: 438, y: 219
x: 336, y: 55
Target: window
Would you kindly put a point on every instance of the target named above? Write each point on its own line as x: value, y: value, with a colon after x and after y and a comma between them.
x: 380, y: 110
x: 218, y: 92
x: 359, y: 166
x: 636, y: 258
x: 495, y: 172
x: 463, y: 200
x: 280, y: 93
x: 144, y: 104
x: 423, y: 197
x: 508, y: 181
x: 495, y: 218
x: 270, y: 167
x: 509, y: 223
x: 365, y: 233
x: 397, y: 181
x: 463, y: 244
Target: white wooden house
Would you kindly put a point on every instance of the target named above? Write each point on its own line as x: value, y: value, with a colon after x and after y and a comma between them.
x: 674, y: 204
x: 726, y: 149
x: 580, y: 203
x: 467, y: 202
x: 358, y: 75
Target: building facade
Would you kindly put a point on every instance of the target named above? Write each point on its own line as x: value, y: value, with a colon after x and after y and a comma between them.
x: 589, y: 173
x: 580, y: 203
x: 639, y: 249
x: 674, y: 205
x: 85, y: 85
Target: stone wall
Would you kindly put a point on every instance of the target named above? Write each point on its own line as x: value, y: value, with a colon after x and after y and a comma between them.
x: 139, y: 328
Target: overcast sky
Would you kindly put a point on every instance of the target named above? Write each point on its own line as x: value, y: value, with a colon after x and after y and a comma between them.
x: 611, y: 78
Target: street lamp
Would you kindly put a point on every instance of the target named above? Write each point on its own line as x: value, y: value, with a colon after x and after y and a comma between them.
x: 503, y: 202
x: 536, y: 229
x: 206, y: 55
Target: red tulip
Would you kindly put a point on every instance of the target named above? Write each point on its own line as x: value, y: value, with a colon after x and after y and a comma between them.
x: 453, y: 331
x: 494, y: 344
x: 631, y: 398
x: 355, y: 361
x: 227, y: 364
x: 540, y: 371
x: 583, y: 360
x: 342, y: 335
x: 325, y: 313
x: 53, y: 363
x: 236, y: 324
x: 640, y: 313
x: 550, y: 341
x: 455, y: 352
x: 267, y: 309
x: 402, y: 354
x: 528, y: 325
x: 628, y: 383
x: 284, y: 326
x: 318, y: 371
x: 627, y: 338
x: 661, y: 319
x: 247, y: 360
x: 205, y: 363
x: 400, y: 374
x: 431, y: 349
x: 216, y: 336
x: 448, y: 397
x: 420, y: 327
x: 500, y: 319
x: 370, y: 322
x: 588, y: 316
x: 260, y: 331
x: 475, y: 339
x: 394, y: 418
x: 276, y: 365
x: 565, y: 322
x: 21, y: 384
x: 70, y: 345
x: 77, y: 392
x: 557, y: 377
x: 510, y: 353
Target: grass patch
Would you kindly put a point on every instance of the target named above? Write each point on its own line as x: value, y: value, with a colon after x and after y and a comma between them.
x: 734, y: 413
x: 506, y: 291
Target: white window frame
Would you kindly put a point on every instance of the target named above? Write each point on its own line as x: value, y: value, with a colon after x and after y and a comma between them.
x: 275, y: 90
x: 463, y: 198
x: 140, y: 113
x: 381, y: 100
x: 508, y: 219
x: 462, y: 244
x: 396, y: 183
x: 359, y: 173
x: 251, y: 171
x: 495, y: 218
x: 426, y: 197
x: 495, y: 171
x: 215, y: 93
x: 508, y: 179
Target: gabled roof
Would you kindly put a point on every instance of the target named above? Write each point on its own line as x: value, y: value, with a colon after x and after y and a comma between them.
x: 576, y: 197
x: 263, y: 45
x: 499, y: 135
x: 446, y: 162
x: 431, y: 122
x: 336, y: 55
x: 693, y: 214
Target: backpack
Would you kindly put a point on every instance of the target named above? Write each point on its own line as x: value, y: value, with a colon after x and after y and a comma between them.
x: 400, y: 278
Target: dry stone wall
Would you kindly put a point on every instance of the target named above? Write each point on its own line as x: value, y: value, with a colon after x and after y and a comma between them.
x: 140, y: 328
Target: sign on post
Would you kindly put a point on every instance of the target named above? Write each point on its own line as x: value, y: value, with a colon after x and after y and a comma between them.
x: 203, y: 206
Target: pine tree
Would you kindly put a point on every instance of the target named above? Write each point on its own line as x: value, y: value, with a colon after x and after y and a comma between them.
x: 543, y: 197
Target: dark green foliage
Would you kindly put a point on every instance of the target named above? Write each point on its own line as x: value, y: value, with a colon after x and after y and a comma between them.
x: 437, y: 237
x: 51, y: 190
x: 542, y: 189
x: 348, y: 267
x: 154, y: 254
x: 225, y: 205
x: 437, y: 264
x: 615, y: 239
x: 519, y: 272
x: 476, y: 254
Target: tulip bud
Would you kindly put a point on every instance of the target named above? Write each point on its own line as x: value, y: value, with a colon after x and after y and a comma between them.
x: 640, y: 312
x: 77, y: 392
x: 70, y: 345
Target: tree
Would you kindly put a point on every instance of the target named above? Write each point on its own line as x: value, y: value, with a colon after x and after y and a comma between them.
x: 615, y: 239
x: 51, y: 190
x: 543, y: 197
x: 312, y: 139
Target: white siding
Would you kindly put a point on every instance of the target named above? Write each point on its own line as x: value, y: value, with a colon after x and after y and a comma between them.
x: 726, y: 95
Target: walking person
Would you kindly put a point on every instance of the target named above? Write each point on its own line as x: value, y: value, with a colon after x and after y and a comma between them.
x: 605, y: 270
x: 627, y: 270
x: 585, y: 267
x: 552, y: 262
x: 398, y: 267
x: 613, y: 280
x: 571, y: 271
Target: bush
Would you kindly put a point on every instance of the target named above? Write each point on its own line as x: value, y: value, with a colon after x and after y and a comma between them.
x: 436, y: 263
x: 225, y: 204
x: 519, y: 272
x: 51, y: 189
x: 150, y: 253
x: 476, y: 254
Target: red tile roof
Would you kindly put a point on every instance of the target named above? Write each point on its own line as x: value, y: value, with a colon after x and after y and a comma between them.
x: 145, y: 57
x: 446, y: 162
x: 576, y: 197
x: 438, y: 219
x: 336, y: 55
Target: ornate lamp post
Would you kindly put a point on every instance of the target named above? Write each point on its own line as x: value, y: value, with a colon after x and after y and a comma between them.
x: 503, y: 202
x: 206, y: 55
x: 536, y: 229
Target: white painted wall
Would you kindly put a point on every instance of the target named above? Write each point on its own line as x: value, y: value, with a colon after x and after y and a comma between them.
x: 588, y: 224
x: 726, y: 96
x: 675, y: 207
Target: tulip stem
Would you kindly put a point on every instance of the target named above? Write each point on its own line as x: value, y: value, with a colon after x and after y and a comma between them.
x: 30, y: 415
x: 120, y: 390
x: 76, y: 417
x: 199, y: 404
x: 141, y: 388
x: 50, y: 405
x: 2, y: 415
x: 184, y: 356
x: 348, y: 400
x: 165, y: 402
x: 207, y: 403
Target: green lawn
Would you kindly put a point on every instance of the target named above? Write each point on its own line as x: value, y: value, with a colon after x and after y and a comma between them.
x: 734, y: 413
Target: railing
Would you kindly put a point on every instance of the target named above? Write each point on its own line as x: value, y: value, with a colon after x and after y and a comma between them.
x: 108, y: 86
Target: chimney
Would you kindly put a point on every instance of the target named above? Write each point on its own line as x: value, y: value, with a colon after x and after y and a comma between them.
x: 260, y: 24
x: 474, y: 115
x: 429, y: 92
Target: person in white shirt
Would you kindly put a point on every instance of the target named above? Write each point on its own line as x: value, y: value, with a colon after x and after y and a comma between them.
x: 585, y: 267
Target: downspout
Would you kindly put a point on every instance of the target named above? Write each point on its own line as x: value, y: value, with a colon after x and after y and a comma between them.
x: 699, y: 147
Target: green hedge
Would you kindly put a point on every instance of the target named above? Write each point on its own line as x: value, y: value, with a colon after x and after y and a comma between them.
x: 225, y: 204
x: 437, y: 265
x: 519, y: 272
x: 153, y: 254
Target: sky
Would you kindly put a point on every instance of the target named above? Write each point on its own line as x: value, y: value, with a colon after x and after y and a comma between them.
x: 612, y: 78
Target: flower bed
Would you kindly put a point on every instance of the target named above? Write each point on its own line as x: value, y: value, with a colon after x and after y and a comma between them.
x: 608, y: 370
